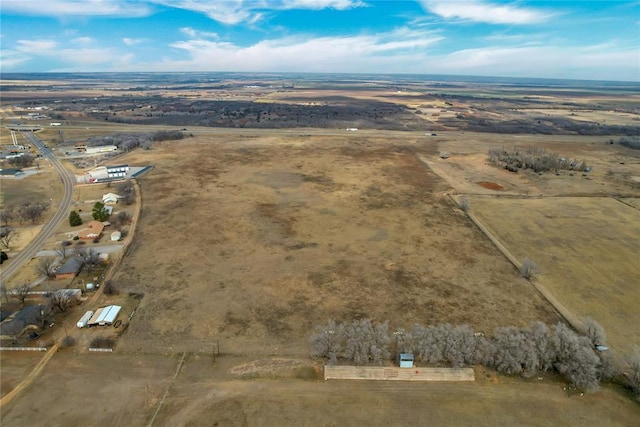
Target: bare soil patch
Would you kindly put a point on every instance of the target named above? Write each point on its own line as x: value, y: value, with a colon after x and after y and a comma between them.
x: 490, y: 185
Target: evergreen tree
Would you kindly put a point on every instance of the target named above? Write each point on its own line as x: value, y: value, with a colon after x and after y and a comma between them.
x: 74, y: 219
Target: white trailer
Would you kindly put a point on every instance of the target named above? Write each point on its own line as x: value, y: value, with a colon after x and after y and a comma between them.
x: 84, y: 320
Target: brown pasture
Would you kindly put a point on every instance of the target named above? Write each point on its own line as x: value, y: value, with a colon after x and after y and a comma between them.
x: 253, y: 241
x: 586, y: 248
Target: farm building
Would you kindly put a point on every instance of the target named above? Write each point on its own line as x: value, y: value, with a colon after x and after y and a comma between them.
x: 104, y: 316
x: 30, y: 317
x: 115, y: 236
x: 69, y: 269
x: 118, y: 171
x: 101, y: 149
x: 106, y: 173
x: 93, y: 232
x: 110, y: 199
x: 104, y: 257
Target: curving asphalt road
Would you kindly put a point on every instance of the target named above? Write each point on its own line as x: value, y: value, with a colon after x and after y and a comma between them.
x: 10, y: 267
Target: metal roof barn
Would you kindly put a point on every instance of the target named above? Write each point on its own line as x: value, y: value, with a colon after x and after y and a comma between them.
x: 108, y: 315
x: 94, y: 318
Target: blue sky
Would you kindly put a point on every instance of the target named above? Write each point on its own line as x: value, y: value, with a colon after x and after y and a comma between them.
x: 597, y: 40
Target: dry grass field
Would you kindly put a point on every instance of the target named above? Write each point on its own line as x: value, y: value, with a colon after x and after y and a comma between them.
x: 93, y: 389
x: 255, y: 240
x: 587, y: 249
x: 113, y: 389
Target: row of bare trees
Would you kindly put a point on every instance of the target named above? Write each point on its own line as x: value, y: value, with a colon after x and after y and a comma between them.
x: 510, y: 350
x: 129, y: 141
x: 24, y: 161
x: 28, y: 211
x: 535, y: 158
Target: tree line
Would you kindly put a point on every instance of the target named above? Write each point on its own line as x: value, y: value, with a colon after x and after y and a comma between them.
x: 129, y: 141
x: 535, y: 158
x: 28, y: 211
x: 525, y: 351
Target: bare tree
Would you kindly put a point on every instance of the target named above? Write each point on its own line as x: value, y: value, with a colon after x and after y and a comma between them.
x: 61, y: 301
x: 20, y: 292
x: 464, y: 204
x: 366, y: 342
x: 122, y: 219
x: 126, y: 190
x: 109, y: 288
x: 63, y: 249
x: 575, y: 358
x: 33, y: 211
x: 540, y: 337
x: 46, y: 266
x: 594, y: 332
x: 7, y: 236
x: 510, y: 350
x: 632, y: 373
x: 7, y: 214
x: 326, y: 341
x: 90, y: 259
x: 528, y: 268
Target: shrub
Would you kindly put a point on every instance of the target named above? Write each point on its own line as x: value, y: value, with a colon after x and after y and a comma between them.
x: 68, y: 341
x: 109, y: 288
x: 528, y: 268
x: 464, y: 204
x: 103, y: 342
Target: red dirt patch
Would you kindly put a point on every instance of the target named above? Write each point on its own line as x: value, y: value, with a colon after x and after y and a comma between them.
x: 490, y: 185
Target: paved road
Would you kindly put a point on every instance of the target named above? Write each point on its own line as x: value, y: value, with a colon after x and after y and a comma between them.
x: 14, y: 264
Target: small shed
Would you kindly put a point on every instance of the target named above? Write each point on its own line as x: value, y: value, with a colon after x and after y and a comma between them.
x: 116, y: 235
x: 405, y: 360
x: 69, y: 269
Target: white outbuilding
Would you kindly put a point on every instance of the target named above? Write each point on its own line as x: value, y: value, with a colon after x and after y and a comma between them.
x: 110, y: 199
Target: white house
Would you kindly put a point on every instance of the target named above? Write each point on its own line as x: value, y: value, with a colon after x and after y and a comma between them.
x: 110, y: 199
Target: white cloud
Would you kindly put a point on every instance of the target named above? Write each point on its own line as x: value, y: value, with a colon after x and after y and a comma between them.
x: 569, y: 62
x: 131, y: 42
x: 196, y: 34
x: 36, y: 46
x: 82, y: 40
x: 321, y: 4
x: 11, y: 58
x: 324, y: 54
x: 480, y: 11
x: 234, y: 12
x: 126, y: 8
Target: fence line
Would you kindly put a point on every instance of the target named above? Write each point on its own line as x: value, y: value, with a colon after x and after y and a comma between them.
x: 23, y: 348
